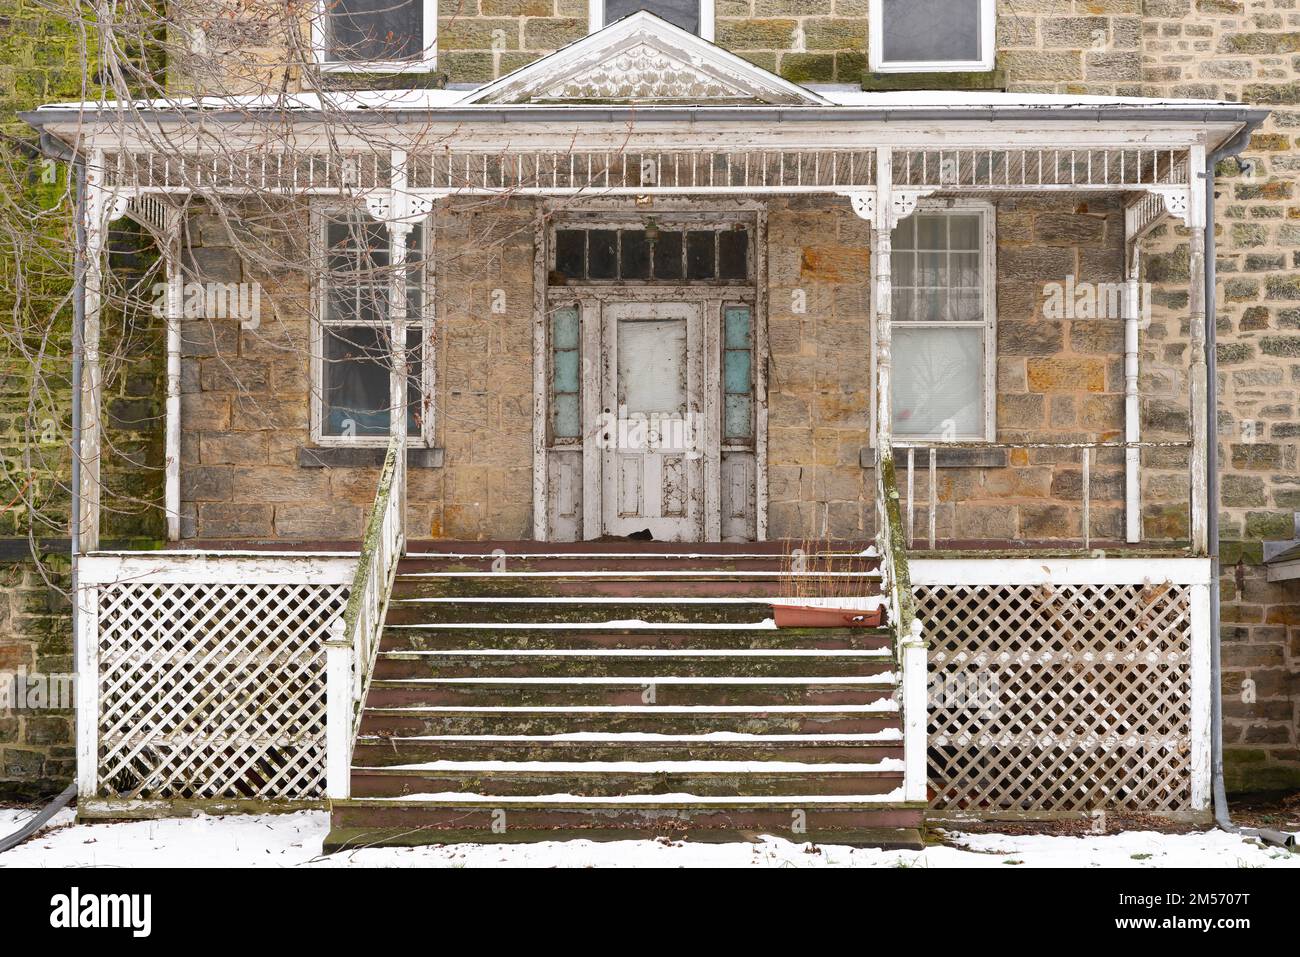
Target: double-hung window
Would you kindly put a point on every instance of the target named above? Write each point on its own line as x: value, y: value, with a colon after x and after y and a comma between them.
x: 352, y: 355
x: 377, y: 35
x: 944, y: 325
x: 925, y: 36
x: 694, y: 16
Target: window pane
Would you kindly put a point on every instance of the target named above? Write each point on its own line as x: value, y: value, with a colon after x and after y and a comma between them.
x: 355, y: 381
x: 738, y: 334
x: 658, y: 385
x: 668, y: 255
x: 938, y: 382
x: 683, y: 13
x: 931, y: 30
x: 570, y: 249
x: 738, y: 414
x: 376, y: 29
x: 602, y: 254
x: 565, y: 419
x: 635, y: 254
x: 736, y: 371
x: 564, y: 328
x: 964, y: 232
x: 733, y: 254
x: 699, y: 254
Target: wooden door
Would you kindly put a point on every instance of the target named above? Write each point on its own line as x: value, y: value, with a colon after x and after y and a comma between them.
x: 652, y: 435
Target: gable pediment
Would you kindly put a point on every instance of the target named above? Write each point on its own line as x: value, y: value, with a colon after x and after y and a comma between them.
x: 643, y: 60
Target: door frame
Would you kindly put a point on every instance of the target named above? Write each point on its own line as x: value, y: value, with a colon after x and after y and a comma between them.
x: 590, y: 299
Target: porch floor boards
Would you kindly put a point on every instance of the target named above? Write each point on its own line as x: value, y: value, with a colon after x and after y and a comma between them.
x: 508, y: 706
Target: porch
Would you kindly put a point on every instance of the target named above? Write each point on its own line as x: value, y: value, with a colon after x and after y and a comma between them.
x: 799, y: 355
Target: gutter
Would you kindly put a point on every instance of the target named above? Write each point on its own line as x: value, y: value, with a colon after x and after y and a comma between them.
x: 1222, y: 816
x: 1229, y: 113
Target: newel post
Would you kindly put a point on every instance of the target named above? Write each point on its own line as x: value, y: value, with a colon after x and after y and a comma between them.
x: 338, y: 711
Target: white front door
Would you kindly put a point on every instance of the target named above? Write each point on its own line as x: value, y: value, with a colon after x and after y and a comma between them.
x: 652, y: 436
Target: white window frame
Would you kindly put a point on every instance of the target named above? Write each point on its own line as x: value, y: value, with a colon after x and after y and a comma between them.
x: 320, y: 33
x: 596, y: 17
x: 988, y: 47
x: 320, y: 216
x: 988, y: 213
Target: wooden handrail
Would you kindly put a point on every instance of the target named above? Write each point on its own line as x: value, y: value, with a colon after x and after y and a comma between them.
x: 354, y: 639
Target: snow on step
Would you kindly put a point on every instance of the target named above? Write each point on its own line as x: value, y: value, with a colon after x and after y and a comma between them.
x: 649, y: 800
x: 884, y: 705
x: 642, y: 767
x: 631, y: 737
x: 651, y: 653
x: 884, y: 678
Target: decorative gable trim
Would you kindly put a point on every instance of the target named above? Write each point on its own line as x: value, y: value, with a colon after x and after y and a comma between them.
x: 643, y: 59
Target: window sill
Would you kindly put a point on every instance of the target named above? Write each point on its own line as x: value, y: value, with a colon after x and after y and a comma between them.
x: 943, y: 459
x: 363, y: 457
x: 935, y: 80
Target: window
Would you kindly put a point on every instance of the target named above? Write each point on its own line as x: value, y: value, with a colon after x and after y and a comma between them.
x: 380, y: 35
x: 673, y: 253
x: 353, y: 365
x: 737, y: 375
x: 943, y: 329
x: 566, y: 379
x: 695, y: 16
x: 922, y: 36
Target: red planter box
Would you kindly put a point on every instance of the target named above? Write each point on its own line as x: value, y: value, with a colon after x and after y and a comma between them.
x: 804, y: 616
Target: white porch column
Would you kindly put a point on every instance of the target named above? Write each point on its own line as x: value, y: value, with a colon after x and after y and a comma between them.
x: 102, y: 206
x: 1197, y: 381
x: 1132, y: 407
x: 175, y: 287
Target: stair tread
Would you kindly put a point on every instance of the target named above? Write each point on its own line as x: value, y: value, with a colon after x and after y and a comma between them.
x: 887, y: 736
x: 884, y: 679
x: 889, y: 765
x: 360, y: 838
x: 876, y: 707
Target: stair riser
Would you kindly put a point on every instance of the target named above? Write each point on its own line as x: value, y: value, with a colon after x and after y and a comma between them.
x: 606, y: 695
x: 821, y: 722
x: 782, y: 821
x: 433, y: 613
x: 848, y: 639
x: 611, y: 784
x: 634, y: 666
x: 399, y: 751
x: 505, y: 586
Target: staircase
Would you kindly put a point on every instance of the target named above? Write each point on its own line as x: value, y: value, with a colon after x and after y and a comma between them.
x: 622, y: 695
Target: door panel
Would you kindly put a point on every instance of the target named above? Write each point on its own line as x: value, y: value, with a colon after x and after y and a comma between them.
x: 652, y: 402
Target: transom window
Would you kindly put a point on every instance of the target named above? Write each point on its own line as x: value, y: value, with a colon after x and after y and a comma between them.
x: 352, y: 397
x: 943, y: 329
x: 931, y: 35
x: 673, y: 253
x: 390, y: 35
x: 693, y: 15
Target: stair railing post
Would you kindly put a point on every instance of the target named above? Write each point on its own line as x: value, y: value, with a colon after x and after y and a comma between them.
x: 338, y: 711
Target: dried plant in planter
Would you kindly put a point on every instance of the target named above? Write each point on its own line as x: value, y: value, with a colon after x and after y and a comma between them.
x: 823, y: 588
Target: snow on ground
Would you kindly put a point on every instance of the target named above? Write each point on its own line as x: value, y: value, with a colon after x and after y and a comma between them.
x: 294, y: 840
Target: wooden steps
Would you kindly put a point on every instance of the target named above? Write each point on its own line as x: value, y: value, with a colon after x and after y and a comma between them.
x: 612, y: 696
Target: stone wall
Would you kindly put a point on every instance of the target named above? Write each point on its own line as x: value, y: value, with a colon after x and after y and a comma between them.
x: 248, y: 469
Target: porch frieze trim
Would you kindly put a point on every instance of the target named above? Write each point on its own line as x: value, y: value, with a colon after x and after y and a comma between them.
x: 1176, y: 200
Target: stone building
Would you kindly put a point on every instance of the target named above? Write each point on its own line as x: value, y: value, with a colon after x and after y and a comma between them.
x: 656, y: 285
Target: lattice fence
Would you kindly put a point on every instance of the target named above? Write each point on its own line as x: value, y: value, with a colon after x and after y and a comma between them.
x: 213, y: 690
x: 1059, y: 697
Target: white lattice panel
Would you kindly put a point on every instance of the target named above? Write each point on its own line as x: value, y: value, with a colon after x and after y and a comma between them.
x: 213, y: 690
x: 1059, y: 697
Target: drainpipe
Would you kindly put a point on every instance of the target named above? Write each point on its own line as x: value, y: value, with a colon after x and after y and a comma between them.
x: 61, y: 152
x: 1222, y: 817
